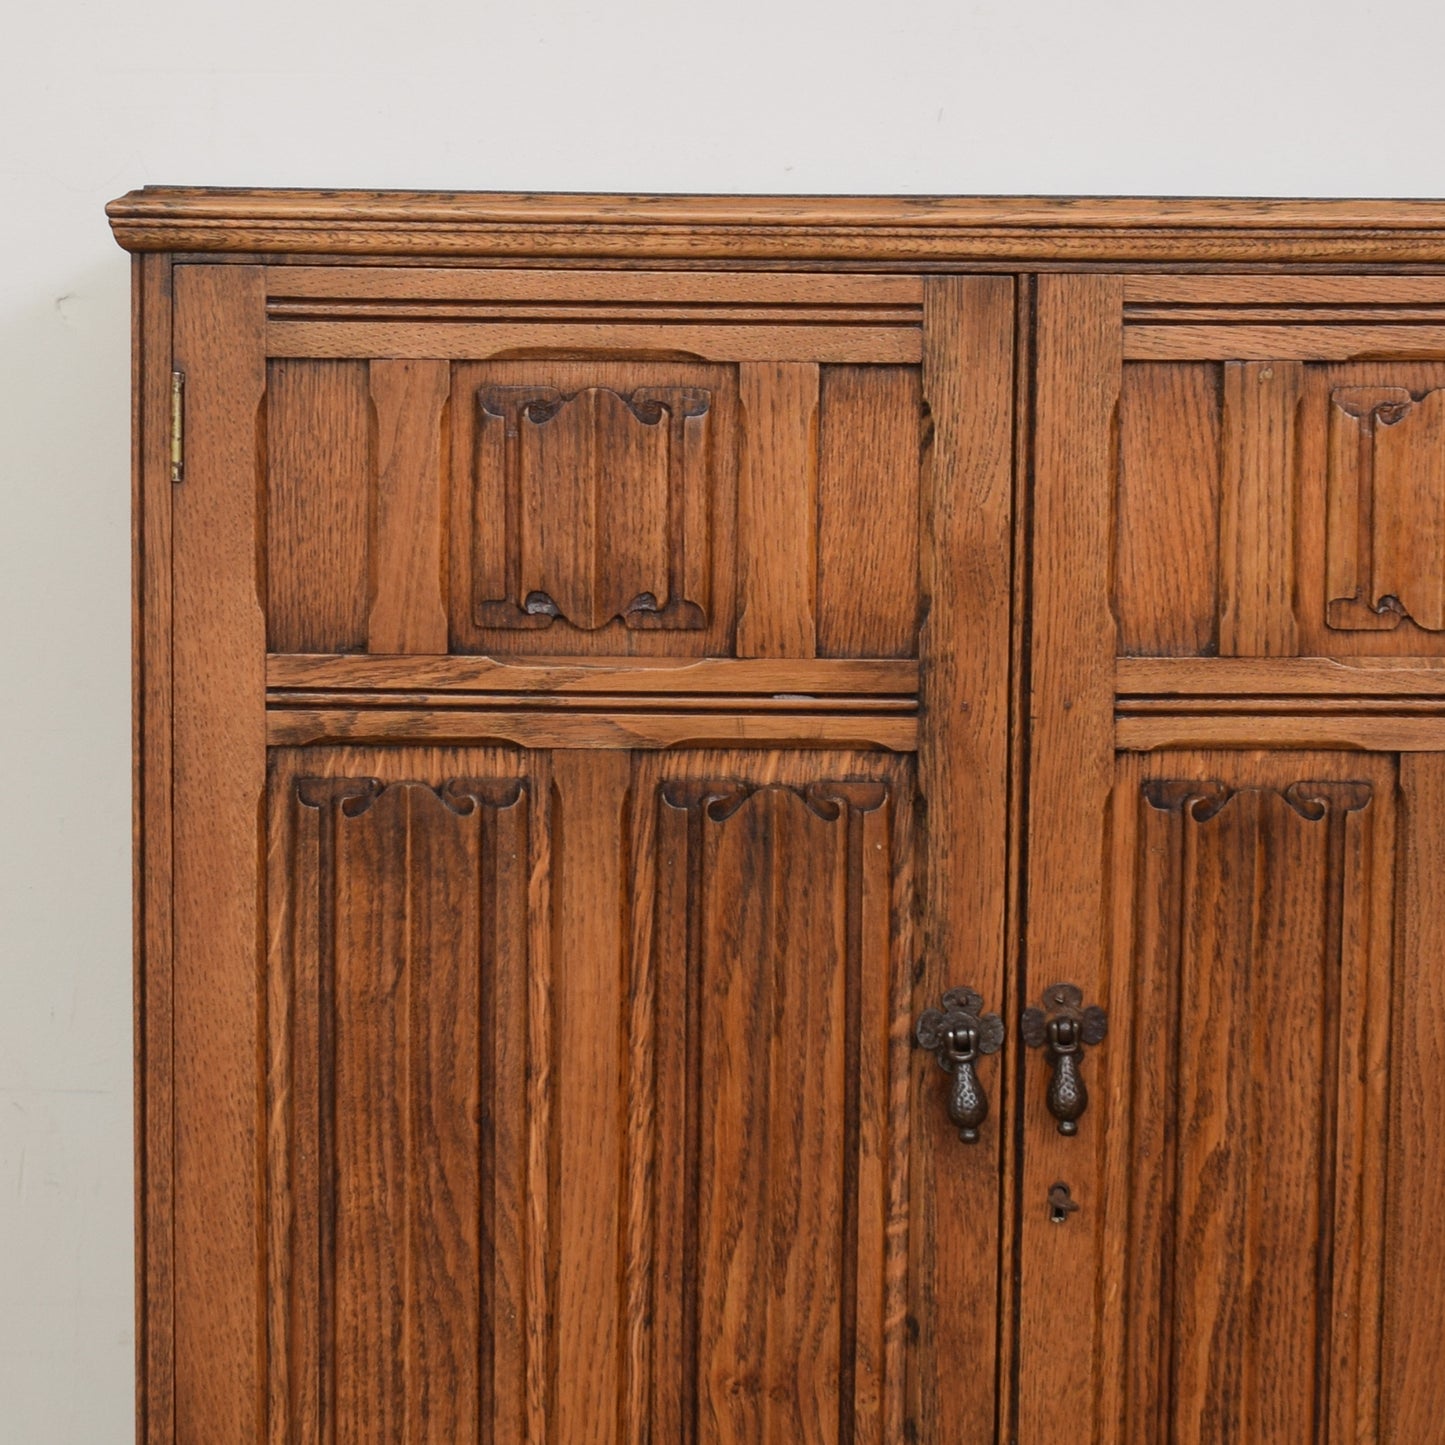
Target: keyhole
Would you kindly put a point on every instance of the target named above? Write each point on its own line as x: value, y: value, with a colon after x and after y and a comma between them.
x: 1060, y: 1204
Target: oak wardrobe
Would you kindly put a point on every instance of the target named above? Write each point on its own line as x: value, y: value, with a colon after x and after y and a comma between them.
x: 788, y: 820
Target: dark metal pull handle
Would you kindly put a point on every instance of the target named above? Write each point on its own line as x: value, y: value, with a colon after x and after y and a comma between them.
x: 1064, y: 1026
x: 956, y: 1035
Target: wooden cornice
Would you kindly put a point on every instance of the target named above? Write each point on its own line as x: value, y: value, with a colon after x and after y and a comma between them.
x: 900, y: 232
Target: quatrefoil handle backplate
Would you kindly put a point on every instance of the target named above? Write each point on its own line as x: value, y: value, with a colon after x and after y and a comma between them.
x: 957, y: 1035
x: 1063, y: 1026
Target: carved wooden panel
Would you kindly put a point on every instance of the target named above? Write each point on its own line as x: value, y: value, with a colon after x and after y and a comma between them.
x: 662, y: 508
x: 1370, y: 510
x: 591, y: 508
x: 1250, y: 1023
x: 402, y: 1174
x: 771, y: 1007
x: 1281, y: 509
x: 587, y: 1092
x: 1386, y: 526
x: 1412, y: 1388
x: 592, y: 505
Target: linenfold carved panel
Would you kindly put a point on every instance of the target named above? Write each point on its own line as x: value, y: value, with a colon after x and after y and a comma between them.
x: 570, y: 507
x: 775, y: 1013
x: 398, y: 1157
x: 559, y: 1046
x: 592, y: 505
x: 1386, y: 525
x: 1260, y: 963
x: 1281, y: 509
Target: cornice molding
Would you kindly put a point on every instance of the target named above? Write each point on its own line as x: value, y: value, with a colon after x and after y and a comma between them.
x: 901, y: 232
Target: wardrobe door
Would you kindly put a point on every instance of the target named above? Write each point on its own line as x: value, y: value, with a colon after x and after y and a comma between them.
x: 1235, y: 857
x: 584, y: 1072
x: 590, y: 757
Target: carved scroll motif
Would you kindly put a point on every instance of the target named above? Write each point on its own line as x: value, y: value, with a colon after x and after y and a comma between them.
x: 826, y: 800
x: 592, y: 506
x: 1385, y: 547
x: 1202, y: 800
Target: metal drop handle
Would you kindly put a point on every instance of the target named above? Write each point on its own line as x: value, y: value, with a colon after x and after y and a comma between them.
x: 957, y: 1035
x: 1064, y: 1026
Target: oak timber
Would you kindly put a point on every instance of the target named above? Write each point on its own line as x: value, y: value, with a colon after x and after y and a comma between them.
x: 610, y: 662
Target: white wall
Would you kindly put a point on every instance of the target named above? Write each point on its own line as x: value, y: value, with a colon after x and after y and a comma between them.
x: 1233, y: 97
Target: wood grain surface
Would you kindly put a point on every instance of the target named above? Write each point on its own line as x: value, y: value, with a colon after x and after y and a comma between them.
x: 1007, y: 231
x: 153, y: 644
x: 1251, y: 996
x: 607, y: 664
x: 218, y: 773
x: 963, y: 762
x: 407, y: 404
x: 1077, y: 378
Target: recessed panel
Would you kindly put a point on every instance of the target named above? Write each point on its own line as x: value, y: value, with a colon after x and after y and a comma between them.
x: 582, y: 1094
x: 1277, y: 509
x: 591, y: 502
x: 1248, y: 1020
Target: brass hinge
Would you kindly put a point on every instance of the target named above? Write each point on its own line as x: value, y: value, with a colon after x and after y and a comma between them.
x: 178, y: 425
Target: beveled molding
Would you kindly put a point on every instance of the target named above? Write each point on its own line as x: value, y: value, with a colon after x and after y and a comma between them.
x: 909, y: 232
